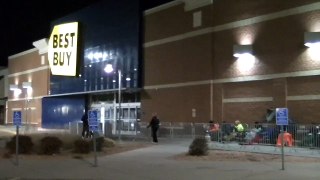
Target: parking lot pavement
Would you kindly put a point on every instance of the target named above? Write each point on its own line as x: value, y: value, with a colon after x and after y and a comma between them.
x: 154, y: 162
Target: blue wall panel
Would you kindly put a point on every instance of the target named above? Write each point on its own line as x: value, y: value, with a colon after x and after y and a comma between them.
x: 57, y: 112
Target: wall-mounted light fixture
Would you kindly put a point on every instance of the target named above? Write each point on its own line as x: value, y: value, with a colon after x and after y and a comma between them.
x: 242, y: 50
x: 245, y: 59
x: 14, y: 87
x: 16, y: 90
x: 312, y: 39
x: 26, y: 85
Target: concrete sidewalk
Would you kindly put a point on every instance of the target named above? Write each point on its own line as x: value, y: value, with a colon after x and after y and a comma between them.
x: 256, y: 148
x: 154, y: 162
x: 7, y: 131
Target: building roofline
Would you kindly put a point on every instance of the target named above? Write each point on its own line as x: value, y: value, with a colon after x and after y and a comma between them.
x: 162, y: 7
x: 22, y: 53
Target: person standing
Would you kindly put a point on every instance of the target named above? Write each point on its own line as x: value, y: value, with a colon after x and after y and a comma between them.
x: 154, y: 124
x: 85, y: 125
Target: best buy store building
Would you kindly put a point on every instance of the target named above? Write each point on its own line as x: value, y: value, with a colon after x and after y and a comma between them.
x: 53, y: 83
x: 189, y: 61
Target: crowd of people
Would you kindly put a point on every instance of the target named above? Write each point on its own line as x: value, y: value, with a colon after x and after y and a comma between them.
x: 265, y: 133
x: 239, y: 131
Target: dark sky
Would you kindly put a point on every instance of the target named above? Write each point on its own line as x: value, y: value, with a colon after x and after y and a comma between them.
x: 26, y: 21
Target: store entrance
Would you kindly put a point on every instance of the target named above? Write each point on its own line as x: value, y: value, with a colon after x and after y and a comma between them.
x: 111, y: 124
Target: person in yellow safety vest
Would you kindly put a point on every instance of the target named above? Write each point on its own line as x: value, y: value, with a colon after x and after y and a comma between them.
x: 238, y: 126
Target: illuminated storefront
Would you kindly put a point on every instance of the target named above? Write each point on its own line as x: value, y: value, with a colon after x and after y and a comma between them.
x: 71, y: 65
x: 191, y: 61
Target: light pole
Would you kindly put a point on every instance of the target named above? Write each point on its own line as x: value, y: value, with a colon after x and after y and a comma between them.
x: 109, y: 69
x: 119, y: 100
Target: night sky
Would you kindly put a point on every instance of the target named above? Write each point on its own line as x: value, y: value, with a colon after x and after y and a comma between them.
x: 26, y: 21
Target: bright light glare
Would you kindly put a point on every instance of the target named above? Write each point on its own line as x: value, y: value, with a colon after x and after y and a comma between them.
x: 16, y: 92
x: 245, y: 62
x: 128, y: 79
x: 29, y: 91
x: 313, y: 53
x: 64, y: 110
x: 313, y: 45
x: 26, y: 85
x: 246, y: 55
x: 108, y: 68
x: 105, y: 56
x: 98, y: 55
x: 102, y: 113
x: 90, y: 56
x: 13, y: 87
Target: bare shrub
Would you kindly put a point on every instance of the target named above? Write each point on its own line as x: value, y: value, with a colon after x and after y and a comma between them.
x: 198, y: 147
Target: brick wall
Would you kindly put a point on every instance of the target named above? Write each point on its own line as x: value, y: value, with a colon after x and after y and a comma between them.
x: 278, y: 47
x: 176, y: 104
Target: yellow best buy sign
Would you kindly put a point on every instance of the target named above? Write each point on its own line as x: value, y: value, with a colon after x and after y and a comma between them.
x: 62, y: 50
